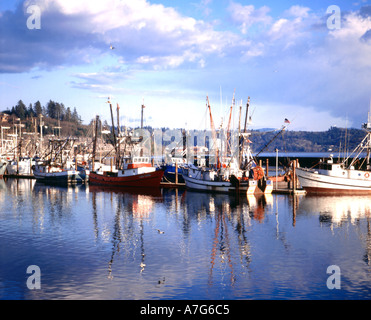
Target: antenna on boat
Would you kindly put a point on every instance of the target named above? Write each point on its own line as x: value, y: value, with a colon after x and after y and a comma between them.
x: 141, y: 119
x: 367, y: 125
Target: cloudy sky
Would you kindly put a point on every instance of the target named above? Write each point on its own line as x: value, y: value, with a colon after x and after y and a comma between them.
x: 295, y: 60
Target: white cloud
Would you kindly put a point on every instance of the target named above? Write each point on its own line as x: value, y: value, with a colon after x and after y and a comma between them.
x: 246, y: 16
x: 295, y: 25
x: 141, y: 32
x: 298, y: 11
x: 293, y: 59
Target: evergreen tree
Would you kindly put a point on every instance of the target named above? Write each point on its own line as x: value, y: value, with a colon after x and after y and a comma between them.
x: 51, y: 109
x: 37, y: 108
x: 75, y: 116
x: 20, y: 110
x: 30, y: 111
x: 68, y: 115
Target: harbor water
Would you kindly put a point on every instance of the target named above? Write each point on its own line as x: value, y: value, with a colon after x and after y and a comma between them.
x: 88, y: 242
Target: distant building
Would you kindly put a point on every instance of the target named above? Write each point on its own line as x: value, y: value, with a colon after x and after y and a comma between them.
x: 4, y: 117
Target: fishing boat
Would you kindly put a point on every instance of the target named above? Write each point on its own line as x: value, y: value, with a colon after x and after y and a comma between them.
x: 212, y: 180
x: 48, y: 172
x: 135, y: 172
x: 22, y: 167
x: 173, y: 170
x: 350, y: 176
x: 58, y: 166
x: 235, y: 172
x: 132, y: 170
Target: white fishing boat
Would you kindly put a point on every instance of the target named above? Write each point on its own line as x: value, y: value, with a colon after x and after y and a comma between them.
x: 235, y: 173
x: 60, y: 168
x: 350, y: 176
x: 209, y: 179
x: 52, y: 173
x: 21, y: 167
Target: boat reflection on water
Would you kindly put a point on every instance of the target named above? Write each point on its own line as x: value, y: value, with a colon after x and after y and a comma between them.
x: 231, y: 217
x: 154, y: 192
x: 132, y: 207
x: 337, y: 210
x: 158, y: 228
x: 340, y: 212
x: 19, y: 185
x: 252, y: 206
x: 134, y: 244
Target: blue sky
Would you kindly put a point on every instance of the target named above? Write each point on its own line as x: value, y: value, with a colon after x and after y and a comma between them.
x: 172, y: 54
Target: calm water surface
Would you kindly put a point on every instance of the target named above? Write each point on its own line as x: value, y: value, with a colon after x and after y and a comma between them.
x: 96, y: 243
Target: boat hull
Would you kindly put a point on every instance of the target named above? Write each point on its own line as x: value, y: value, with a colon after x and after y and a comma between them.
x: 317, y: 183
x: 22, y: 169
x: 63, y: 177
x: 149, y: 179
x: 248, y: 187
x: 170, y: 174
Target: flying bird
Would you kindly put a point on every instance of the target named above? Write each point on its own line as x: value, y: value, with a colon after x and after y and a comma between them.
x: 111, y: 47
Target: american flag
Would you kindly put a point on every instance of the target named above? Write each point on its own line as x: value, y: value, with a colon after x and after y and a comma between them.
x: 287, y: 120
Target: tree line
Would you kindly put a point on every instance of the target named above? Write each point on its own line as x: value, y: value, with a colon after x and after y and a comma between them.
x: 54, y: 110
x: 334, y: 140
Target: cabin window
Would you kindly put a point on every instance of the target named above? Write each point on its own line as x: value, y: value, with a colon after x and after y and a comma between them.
x: 325, y: 166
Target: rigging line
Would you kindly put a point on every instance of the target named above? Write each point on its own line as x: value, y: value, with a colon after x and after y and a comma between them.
x: 254, y: 157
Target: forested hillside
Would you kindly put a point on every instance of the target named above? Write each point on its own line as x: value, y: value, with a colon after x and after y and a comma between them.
x: 335, y: 139
x: 54, y: 115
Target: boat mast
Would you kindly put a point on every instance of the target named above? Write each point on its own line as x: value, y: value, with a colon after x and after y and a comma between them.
x: 213, y: 132
x: 229, y: 127
x: 242, y: 136
x: 114, y: 134
x: 141, y: 125
x: 95, y: 142
x: 367, y: 126
x: 141, y: 118
x: 239, y: 136
x: 247, y: 111
x: 118, y: 160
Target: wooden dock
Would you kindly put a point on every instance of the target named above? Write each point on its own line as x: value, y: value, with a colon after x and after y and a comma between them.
x: 283, y: 187
x: 19, y: 176
x: 289, y: 191
x: 172, y: 185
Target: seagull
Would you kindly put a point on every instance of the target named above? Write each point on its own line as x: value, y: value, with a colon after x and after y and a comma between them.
x: 160, y: 232
x: 111, y: 47
x: 142, y: 265
x: 160, y: 282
